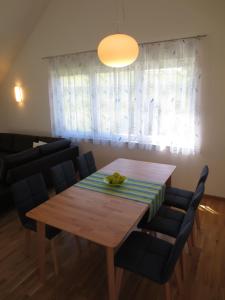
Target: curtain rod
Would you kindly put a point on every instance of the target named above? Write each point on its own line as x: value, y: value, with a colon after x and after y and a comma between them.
x: 140, y: 44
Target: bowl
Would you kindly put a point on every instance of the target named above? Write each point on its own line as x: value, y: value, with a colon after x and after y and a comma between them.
x: 114, y: 184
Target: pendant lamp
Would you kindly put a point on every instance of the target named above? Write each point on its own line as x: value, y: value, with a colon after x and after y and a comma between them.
x: 118, y: 50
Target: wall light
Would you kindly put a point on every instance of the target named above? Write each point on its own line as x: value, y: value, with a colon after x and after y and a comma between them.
x: 18, y: 93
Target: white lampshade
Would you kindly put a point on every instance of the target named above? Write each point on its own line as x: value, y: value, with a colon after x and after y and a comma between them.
x: 118, y: 50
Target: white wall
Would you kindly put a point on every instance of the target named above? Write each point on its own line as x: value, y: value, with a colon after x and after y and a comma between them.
x: 70, y: 26
x: 17, y: 19
x: 3, y: 114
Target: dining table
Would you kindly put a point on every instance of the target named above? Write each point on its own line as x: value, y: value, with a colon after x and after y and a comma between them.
x: 104, y: 216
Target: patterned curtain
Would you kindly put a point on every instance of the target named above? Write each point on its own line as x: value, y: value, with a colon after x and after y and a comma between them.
x: 152, y: 103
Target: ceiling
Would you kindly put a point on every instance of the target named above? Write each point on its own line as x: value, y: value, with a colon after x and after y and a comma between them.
x: 17, y: 20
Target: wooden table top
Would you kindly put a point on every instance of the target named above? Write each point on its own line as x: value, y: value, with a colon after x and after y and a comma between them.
x: 99, y: 217
x: 142, y: 170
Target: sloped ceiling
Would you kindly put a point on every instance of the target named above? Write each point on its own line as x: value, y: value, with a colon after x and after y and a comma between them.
x: 17, y: 20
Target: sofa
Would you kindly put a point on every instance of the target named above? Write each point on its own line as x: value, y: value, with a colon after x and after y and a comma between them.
x: 18, y: 159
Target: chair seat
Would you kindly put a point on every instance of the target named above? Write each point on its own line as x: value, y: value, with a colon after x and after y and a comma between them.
x: 177, y: 201
x: 169, y: 213
x: 179, y: 192
x: 50, y: 232
x: 167, y: 221
x: 144, y: 255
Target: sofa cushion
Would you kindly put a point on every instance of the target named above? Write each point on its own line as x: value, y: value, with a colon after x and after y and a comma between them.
x: 6, y: 201
x: 39, y: 143
x: 3, y: 154
x: 54, y: 147
x: 48, y: 139
x: 1, y: 169
x: 23, y: 142
x: 42, y: 165
x: 6, y: 142
x: 14, y: 160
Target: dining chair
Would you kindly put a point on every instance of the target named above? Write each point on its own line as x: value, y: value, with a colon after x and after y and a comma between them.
x: 27, y: 194
x: 151, y: 257
x: 63, y: 176
x: 169, y: 221
x: 86, y: 164
x: 181, y: 198
x: 90, y: 162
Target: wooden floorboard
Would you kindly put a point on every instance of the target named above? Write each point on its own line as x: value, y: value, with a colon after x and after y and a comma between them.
x: 83, y: 274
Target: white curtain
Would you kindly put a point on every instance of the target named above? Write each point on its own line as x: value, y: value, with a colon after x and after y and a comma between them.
x: 152, y: 103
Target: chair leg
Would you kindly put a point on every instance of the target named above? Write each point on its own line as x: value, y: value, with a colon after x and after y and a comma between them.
x: 177, y: 277
x: 168, y: 291
x: 54, y: 256
x: 27, y: 242
x: 119, y: 276
x: 197, y: 219
x: 192, y: 238
x: 182, y: 265
x: 189, y: 245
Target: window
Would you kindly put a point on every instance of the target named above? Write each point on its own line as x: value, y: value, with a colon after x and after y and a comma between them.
x: 152, y: 103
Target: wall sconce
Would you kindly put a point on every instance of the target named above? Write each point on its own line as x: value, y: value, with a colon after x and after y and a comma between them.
x: 18, y: 93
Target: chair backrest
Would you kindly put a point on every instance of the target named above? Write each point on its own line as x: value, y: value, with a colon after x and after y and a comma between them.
x: 198, y: 195
x: 204, y: 174
x: 86, y: 164
x: 63, y: 176
x: 190, y: 214
x: 177, y: 248
x: 29, y: 193
x: 82, y: 167
x: 90, y: 162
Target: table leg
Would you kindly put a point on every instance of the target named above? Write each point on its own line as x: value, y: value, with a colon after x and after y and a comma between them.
x: 41, y: 250
x: 168, y: 182
x: 111, y: 274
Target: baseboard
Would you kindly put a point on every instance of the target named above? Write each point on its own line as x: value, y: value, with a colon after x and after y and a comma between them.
x: 214, y: 197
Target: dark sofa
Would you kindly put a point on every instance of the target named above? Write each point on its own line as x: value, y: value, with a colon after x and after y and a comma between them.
x: 18, y: 159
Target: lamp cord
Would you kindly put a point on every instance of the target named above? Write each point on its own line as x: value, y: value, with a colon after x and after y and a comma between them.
x: 120, y: 13
x: 123, y: 11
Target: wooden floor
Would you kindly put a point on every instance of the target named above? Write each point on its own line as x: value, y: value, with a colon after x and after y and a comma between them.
x: 83, y: 274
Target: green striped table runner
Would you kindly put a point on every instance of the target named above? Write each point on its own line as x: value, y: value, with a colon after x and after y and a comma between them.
x: 151, y: 193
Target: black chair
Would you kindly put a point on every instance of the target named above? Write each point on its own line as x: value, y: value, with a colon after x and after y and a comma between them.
x: 90, y: 162
x: 184, y: 203
x: 27, y: 194
x: 151, y: 257
x: 180, y: 198
x: 63, y: 176
x: 86, y: 164
x: 169, y: 221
